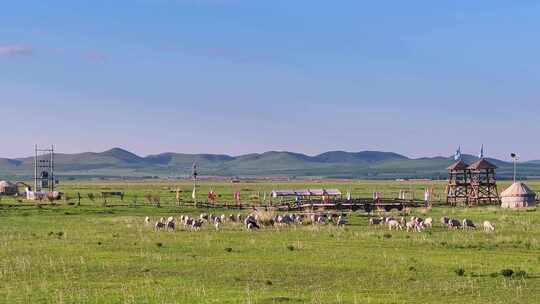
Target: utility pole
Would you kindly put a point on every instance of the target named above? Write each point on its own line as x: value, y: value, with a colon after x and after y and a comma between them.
x: 515, y: 157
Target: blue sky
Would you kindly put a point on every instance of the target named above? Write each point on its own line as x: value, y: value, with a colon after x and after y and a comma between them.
x: 241, y: 76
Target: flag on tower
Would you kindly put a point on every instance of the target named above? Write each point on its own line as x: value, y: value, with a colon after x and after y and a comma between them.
x: 457, y: 156
x: 481, y: 155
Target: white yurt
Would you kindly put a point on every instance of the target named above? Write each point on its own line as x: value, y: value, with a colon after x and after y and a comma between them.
x: 518, y: 195
x: 7, y: 188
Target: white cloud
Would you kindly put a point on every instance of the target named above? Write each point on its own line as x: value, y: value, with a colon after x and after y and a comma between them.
x: 15, y: 50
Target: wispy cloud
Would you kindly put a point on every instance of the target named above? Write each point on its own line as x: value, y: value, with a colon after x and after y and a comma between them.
x: 8, y: 50
x: 235, y: 55
x: 95, y: 56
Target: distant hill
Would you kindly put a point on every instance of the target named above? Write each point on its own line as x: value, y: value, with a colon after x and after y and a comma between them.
x: 118, y: 162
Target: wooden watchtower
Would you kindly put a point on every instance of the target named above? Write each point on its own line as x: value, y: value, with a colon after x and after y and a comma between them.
x: 458, y: 188
x: 483, y: 183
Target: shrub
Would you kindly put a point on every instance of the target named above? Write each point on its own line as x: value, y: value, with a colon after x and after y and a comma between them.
x: 159, y: 244
x: 459, y: 271
x: 521, y: 274
x: 265, y: 218
x: 228, y: 249
x: 290, y: 247
x: 387, y: 235
x: 507, y: 272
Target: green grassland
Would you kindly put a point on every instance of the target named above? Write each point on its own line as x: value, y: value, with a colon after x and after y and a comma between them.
x: 93, y: 253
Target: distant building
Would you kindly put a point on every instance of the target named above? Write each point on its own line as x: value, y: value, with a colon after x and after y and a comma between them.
x: 518, y: 195
x: 8, y: 188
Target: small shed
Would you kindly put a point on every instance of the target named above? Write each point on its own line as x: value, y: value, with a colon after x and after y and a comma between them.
x: 7, y: 188
x: 302, y: 192
x: 332, y: 192
x: 518, y: 195
x: 285, y: 192
x: 316, y: 192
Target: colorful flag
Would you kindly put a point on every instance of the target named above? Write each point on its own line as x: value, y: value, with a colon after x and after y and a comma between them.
x: 481, y: 155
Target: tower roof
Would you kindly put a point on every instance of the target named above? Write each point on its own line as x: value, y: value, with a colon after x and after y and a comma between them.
x: 482, y: 164
x: 457, y: 166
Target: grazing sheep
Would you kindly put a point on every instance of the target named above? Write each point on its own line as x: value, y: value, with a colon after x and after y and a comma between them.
x: 375, y: 221
x: 223, y: 218
x: 428, y: 223
x: 217, y: 219
x: 393, y: 224
x: 454, y: 224
x: 251, y: 222
x: 388, y: 219
x: 171, y: 225
x: 188, y: 222
x: 147, y: 220
x: 445, y: 220
x: 170, y: 219
x: 411, y: 226
x: 159, y: 225
x: 468, y: 224
x: 488, y: 227
x: 341, y: 221
x: 251, y: 226
x: 196, y: 225
x: 162, y: 219
x: 402, y: 221
x: 284, y: 220
x: 217, y: 224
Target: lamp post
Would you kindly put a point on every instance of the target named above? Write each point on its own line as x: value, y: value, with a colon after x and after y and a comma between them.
x: 515, y: 158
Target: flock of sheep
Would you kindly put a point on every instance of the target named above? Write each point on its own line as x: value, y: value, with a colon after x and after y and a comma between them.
x: 251, y: 221
x: 418, y: 224
x: 255, y: 221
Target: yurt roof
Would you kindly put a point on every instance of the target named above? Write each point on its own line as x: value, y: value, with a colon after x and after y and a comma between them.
x: 482, y: 164
x: 459, y: 165
x: 6, y: 184
x: 518, y: 189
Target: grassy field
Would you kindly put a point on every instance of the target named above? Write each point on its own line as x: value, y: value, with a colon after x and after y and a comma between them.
x: 96, y: 254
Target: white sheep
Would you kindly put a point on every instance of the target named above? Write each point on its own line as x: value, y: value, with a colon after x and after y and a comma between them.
x: 488, y: 226
x: 428, y: 222
x: 341, y: 221
x: 147, y: 220
x: 410, y: 226
x: 393, y: 224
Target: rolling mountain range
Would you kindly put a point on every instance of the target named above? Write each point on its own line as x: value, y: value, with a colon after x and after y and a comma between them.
x: 335, y: 164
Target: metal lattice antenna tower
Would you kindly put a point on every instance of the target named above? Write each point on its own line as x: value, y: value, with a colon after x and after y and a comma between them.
x: 44, y: 169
